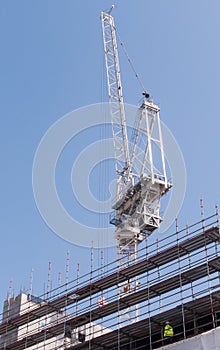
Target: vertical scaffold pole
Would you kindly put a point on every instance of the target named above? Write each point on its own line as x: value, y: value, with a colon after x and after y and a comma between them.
x: 180, y: 280
x: 159, y: 276
x: 66, y: 342
x: 90, y: 296
x: 77, y: 285
x: 49, y: 280
x: 118, y: 297
x: 148, y: 310
x: 209, y: 285
x: 136, y: 280
x: 189, y: 262
x: 217, y: 246
x: 202, y: 212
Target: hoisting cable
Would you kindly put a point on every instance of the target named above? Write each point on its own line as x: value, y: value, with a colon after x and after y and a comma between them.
x: 144, y: 93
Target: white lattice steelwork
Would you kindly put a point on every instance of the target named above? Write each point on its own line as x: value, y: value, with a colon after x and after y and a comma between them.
x: 119, y: 130
x: 138, y: 208
x: 141, y: 176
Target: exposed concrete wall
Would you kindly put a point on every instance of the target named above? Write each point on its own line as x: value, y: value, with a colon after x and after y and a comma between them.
x: 206, y: 341
x: 22, y: 304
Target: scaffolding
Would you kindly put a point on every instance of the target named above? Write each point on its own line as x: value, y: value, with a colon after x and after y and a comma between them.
x: 179, y: 281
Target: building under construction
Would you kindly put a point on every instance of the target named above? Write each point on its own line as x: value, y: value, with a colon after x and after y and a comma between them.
x: 178, y: 280
x: 126, y: 304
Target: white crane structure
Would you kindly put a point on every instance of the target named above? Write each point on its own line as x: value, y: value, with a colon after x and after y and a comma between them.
x: 140, y: 166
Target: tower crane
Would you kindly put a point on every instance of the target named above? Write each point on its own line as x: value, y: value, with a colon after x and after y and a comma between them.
x: 140, y: 166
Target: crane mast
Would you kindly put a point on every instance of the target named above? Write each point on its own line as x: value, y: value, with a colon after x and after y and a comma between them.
x: 141, y: 176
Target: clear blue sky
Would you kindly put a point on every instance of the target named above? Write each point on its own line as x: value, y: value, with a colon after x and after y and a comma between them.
x: 51, y: 63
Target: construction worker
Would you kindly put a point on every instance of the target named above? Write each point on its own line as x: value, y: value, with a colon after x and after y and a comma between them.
x: 168, y: 333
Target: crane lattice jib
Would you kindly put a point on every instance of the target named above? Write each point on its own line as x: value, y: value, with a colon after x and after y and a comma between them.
x: 117, y: 111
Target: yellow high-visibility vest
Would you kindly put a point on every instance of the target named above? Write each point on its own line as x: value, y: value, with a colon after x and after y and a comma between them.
x: 168, y: 331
